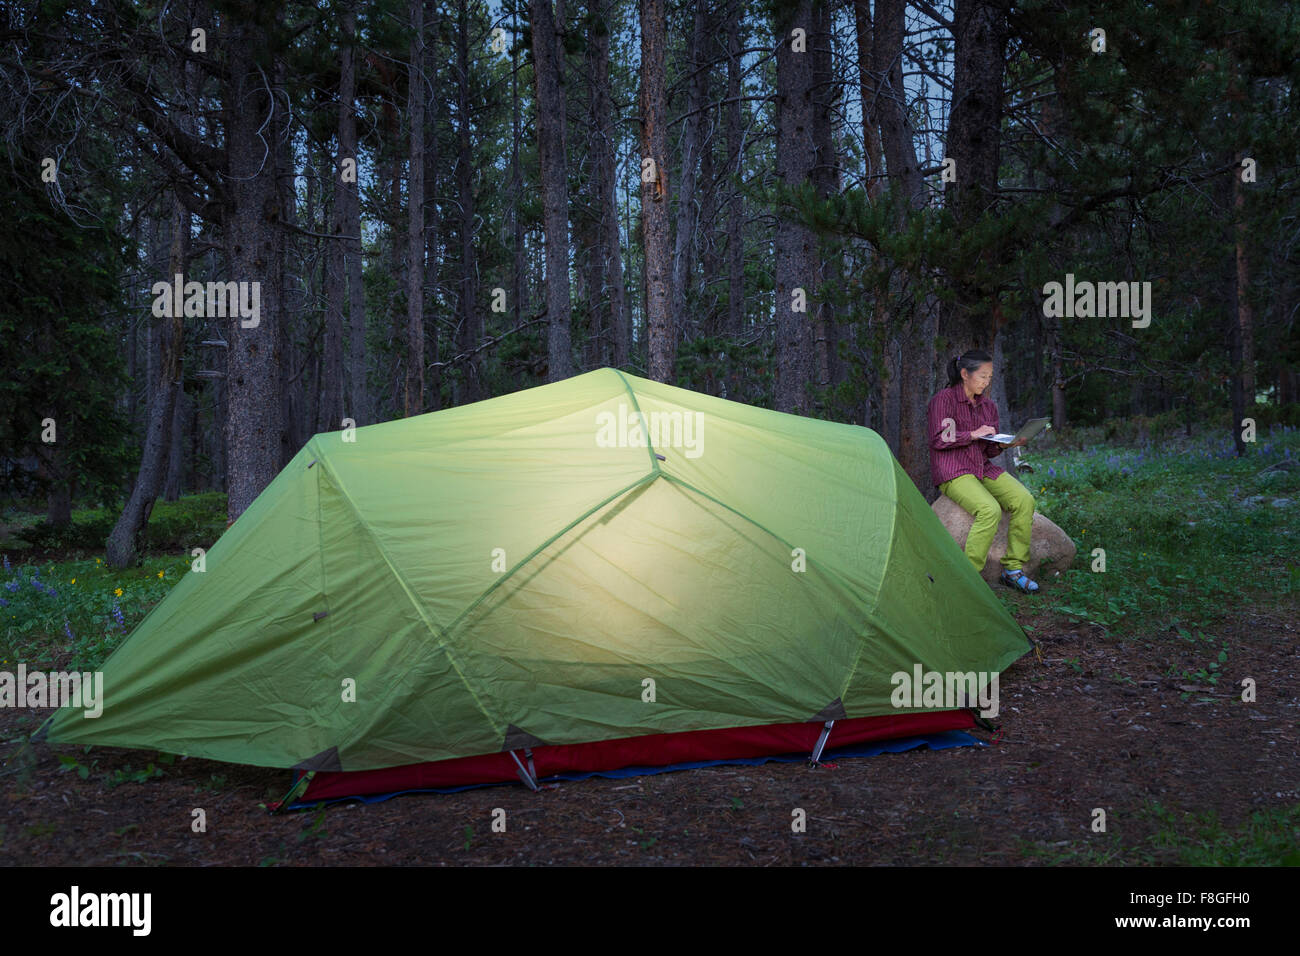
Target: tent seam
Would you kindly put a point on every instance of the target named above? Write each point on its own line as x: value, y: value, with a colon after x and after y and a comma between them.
x: 320, y: 537
x: 433, y: 629
x: 650, y: 449
x: 704, y: 494
x: 644, y: 479
x: 893, y: 526
x: 834, y: 575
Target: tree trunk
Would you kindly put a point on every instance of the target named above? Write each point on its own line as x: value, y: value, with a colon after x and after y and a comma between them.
x: 795, y: 263
x: 292, y: 358
x: 973, y: 141
x: 349, y: 200
x: 58, y: 500
x: 826, y: 177
x: 396, y: 251
x: 713, y: 315
x: 615, y: 349
x: 520, y: 278
x: 549, y: 69
x: 661, y: 342
x: 254, y: 251
x: 473, y: 328
x: 1244, y: 359
x: 175, y: 482
x: 868, y: 88
x: 908, y: 361
x: 890, y: 115
x: 416, y: 89
x: 124, y: 542
x: 735, y: 160
x: 600, y: 278
x: 166, y: 347
x: 686, y: 209
x: 329, y: 415
x: 431, y: 225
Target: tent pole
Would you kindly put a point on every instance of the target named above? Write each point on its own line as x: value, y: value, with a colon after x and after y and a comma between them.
x: 821, y: 743
x: 524, y: 775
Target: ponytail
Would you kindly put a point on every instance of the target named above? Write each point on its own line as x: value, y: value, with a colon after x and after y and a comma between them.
x: 970, y: 360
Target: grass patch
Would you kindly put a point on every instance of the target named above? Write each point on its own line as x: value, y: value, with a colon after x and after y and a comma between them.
x: 193, y: 521
x: 1181, y: 838
x: 73, y: 614
x: 1185, y: 527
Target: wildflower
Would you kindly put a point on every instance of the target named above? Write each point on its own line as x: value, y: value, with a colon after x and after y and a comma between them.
x: 118, y: 592
x: 67, y: 629
x: 117, y: 614
x: 73, y: 581
x: 3, y: 603
x: 98, y: 561
x: 160, y: 574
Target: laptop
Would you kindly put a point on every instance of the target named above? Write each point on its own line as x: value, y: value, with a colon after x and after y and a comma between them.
x: 1028, y: 431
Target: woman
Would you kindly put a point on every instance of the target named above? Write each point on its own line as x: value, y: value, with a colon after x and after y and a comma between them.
x: 959, y: 417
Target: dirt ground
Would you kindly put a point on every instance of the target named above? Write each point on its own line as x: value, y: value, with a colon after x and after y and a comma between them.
x: 1096, y: 723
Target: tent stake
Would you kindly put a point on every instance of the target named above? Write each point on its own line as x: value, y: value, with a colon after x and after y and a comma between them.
x: 524, y: 775
x: 821, y: 743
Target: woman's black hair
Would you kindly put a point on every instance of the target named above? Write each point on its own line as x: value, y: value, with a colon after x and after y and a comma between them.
x: 970, y: 361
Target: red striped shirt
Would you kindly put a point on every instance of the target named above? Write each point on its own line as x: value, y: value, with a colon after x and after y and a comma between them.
x: 963, y: 455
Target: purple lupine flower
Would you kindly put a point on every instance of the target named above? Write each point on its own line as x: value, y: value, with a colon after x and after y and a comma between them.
x: 3, y: 603
x: 1051, y: 472
x: 13, y: 585
x: 67, y: 629
x: 117, y: 615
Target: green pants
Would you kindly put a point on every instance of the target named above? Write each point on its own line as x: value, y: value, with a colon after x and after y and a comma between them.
x: 985, y: 498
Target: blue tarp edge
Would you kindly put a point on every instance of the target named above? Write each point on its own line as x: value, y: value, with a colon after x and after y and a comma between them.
x: 943, y: 740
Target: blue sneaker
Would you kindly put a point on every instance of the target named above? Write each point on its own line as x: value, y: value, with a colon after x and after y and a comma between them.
x: 1016, y: 578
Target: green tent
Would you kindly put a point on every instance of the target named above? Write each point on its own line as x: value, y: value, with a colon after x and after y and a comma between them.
x: 600, y: 558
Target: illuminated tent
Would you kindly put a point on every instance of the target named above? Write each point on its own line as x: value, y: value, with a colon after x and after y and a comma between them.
x: 601, y: 571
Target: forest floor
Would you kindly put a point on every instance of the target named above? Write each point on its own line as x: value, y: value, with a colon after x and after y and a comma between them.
x: 1185, y: 771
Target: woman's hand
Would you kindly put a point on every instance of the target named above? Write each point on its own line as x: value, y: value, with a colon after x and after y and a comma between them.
x: 982, y: 431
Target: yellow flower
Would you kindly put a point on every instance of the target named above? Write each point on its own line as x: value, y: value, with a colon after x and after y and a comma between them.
x: 73, y: 581
x: 98, y: 561
x: 159, y: 574
x: 118, y: 592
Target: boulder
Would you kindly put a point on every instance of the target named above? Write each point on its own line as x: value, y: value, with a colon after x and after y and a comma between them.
x: 1050, y: 549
